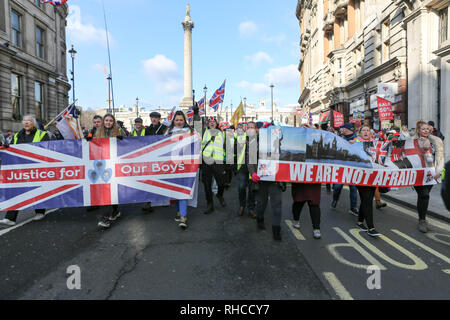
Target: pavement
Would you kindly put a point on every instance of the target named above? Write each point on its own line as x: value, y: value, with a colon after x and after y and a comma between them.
x: 408, y: 197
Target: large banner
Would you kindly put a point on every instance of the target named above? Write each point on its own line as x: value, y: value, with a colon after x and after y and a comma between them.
x: 77, y: 173
x: 315, y: 156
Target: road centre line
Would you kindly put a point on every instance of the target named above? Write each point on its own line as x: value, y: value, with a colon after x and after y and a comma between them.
x: 296, y: 232
x: 337, y: 286
x: 3, y: 232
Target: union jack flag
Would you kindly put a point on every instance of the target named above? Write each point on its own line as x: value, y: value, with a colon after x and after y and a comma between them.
x: 310, y: 119
x: 55, y: 2
x: 218, y: 97
x: 190, y: 114
x: 201, y: 107
x: 77, y: 173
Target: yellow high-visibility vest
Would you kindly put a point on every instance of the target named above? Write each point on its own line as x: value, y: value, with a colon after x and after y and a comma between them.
x: 214, y: 149
x: 38, y: 136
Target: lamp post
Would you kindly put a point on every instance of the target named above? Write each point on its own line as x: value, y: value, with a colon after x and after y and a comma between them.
x: 72, y: 72
x: 245, y: 108
x: 205, y: 90
x: 193, y: 99
x: 137, y: 107
x: 271, y: 90
x: 109, y: 94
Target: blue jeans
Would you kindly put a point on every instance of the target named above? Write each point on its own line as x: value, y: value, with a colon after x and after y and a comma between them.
x: 182, y: 207
x: 244, y: 199
x: 337, y: 188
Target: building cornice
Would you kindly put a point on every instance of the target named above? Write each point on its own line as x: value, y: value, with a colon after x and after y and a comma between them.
x: 304, y: 94
x: 444, y: 51
x: 382, y: 68
x: 415, y: 14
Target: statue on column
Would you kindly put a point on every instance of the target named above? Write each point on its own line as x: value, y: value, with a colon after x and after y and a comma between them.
x: 188, y: 11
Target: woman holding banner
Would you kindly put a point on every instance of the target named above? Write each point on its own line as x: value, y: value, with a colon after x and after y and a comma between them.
x: 432, y: 150
x: 179, y: 125
x: 109, y: 129
x: 366, y: 193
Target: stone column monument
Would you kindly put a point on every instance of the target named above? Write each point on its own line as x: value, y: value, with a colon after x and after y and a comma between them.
x: 188, y: 25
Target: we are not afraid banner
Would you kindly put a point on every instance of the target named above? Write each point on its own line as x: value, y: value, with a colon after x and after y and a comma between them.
x: 77, y: 173
x: 314, y: 156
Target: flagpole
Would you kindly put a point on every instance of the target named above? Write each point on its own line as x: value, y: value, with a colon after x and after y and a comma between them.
x: 109, y: 58
x: 48, y: 124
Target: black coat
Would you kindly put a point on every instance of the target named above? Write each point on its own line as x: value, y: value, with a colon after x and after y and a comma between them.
x: 445, y: 190
x: 155, y: 130
x: 28, y: 138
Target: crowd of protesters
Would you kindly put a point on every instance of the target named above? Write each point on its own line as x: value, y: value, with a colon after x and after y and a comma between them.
x: 253, y: 193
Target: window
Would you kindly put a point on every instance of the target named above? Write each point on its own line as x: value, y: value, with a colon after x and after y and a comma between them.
x: 443, y: 25
x: 39, y: 97
x: 38, y: 3
x: 40, y: 43
x: 385, y: 38
x: 378, y: 49
x: 16, y: 32
x: 16, y: 90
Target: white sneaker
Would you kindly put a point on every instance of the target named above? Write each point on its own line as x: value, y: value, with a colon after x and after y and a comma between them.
x: 7, y: 222
x: 39, y: 216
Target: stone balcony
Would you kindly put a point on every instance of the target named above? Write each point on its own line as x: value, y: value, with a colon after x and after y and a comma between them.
x: 341, y: 7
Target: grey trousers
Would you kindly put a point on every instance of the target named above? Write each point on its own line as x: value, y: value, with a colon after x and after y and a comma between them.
x: 269, y: 190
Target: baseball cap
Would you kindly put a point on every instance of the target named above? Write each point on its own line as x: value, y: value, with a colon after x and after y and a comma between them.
x: 138, y: 120
x: 348, y: 126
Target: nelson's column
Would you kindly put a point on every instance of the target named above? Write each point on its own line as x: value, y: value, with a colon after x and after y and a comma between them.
x: 188, y: 25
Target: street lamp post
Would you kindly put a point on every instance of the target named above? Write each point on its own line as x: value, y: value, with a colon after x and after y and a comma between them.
x: 245, y: 108
x: 193, y: 99
x: 205, y: 89
x: 109, y: 94
x: 137, y: 107
x: 72, y: 72
x: 271, y: 90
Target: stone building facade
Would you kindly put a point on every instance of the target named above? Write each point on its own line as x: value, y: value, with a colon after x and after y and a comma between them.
x: 355, y: 50
x: 351, y: 52
x: 33, y: 76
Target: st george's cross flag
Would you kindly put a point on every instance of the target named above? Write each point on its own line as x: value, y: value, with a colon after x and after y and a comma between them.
x: 218, y: 97
x: 55, y: 2
x: 77, y: 173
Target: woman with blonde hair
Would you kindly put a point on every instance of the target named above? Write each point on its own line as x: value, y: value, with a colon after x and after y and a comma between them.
x: 432, y: 149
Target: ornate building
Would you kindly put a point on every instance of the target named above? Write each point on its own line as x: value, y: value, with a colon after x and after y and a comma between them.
x: 33, y: 77
x: 355, y: 50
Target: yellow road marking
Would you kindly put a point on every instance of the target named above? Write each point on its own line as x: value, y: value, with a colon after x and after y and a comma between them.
x: 340, y: 290
x: 433, y: 236
x: 419, y: 264
x: 447, y: 271
x: 431, y: 221
x: 296, y: 232
x: 332, y: 248
x: 424, y: 247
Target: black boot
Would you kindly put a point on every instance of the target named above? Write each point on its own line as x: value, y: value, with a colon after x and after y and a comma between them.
x: 276, y: 230
x: 222, y: 201
x: 209, y: 209
x: 260, y: 224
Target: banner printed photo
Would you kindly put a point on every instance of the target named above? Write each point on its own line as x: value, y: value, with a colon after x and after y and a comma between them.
x: 316, y: 156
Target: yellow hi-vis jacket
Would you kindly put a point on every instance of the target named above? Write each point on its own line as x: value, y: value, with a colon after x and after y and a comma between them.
x: 38, y: 136
x: 213, y: 149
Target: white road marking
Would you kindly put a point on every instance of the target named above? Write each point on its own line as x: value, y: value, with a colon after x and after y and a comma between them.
x: 3, y: 232
x: 340, y: 290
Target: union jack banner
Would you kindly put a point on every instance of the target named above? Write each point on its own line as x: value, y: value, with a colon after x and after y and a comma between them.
x: 55, y: 2
x: 218, y: 97
x: 77, y: 173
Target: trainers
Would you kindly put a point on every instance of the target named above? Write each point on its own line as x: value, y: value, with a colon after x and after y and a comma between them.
x: 423, y: 226
x: 252, y: 214
x: 38, y: 216
x: 105, y: 223
x: 362, y: 226
x: 183, y: 223
x: 7, y: 222
x: 380, y: 204
x: 115, y: 215
x: 373, y: 233
x: 334, y: 204
x: 316, y: 234
x: 178, y: 217
x: 354, y: 211
x: 296, y: 224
